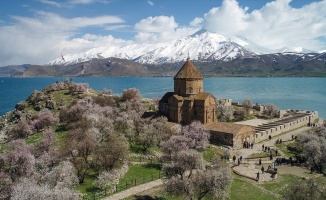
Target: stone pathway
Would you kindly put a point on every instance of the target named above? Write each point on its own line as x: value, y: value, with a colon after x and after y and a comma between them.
x: 135, y: 190
x: 250, y: 168
x: 257, y: 148
x: 250, y: 171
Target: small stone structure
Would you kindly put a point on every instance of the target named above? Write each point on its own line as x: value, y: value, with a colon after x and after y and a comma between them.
x: 230, y: 134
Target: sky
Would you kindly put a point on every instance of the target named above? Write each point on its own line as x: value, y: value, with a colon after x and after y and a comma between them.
x: 38, y: 31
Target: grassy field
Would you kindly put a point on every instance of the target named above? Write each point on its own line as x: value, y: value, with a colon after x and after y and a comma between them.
x: 137, y: 174
x: 241, y: 188
x: 212, y: 152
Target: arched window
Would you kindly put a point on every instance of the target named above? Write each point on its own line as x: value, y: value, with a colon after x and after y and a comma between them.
x: 190, y: 89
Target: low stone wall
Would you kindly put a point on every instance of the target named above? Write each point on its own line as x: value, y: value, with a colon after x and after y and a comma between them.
x: 299, y: 119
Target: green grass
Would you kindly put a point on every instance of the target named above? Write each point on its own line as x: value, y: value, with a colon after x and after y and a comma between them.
x: 212, y: 152
x: 33, y: 139
x: 258, y: 155
x: 283, y: 148
x: 138, y: 174
x: 283, y: 182
x: 63, y: 95
x: 87, y: 188
x: 61, y: 136
x: 3, y: 147
x: 241, y: 189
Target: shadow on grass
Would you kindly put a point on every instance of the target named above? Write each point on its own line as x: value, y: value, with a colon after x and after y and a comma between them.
x: 61, y: 128
x: 147, y: 197
x: 154, y: 165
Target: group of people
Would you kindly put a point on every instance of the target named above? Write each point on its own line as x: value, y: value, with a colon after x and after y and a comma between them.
x: 268, y: 149
x: 280, y: 161
x: 234, y: 158
x: 279, y: 141
x: 248, y: 145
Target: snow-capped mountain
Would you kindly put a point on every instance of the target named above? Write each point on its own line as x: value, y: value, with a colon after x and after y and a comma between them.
x: 202, y: 45
x: 295, y: 50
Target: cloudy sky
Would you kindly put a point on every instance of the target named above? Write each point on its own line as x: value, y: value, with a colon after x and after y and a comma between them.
x: 37, y: 31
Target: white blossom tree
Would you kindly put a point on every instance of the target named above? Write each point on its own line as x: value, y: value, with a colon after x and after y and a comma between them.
x: 28, y: 189
x: 271, y: 110
x: 225, y: 113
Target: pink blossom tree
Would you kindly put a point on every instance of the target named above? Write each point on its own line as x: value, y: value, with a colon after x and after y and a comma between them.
x: 20, y: 130
x: 197, y: 134
x: 44, y: 119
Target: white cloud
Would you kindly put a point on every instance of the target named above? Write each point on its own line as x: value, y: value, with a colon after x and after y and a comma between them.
x: 117, y: 27
x: 156, y: 24
x: 88, y: 1
x: 72, y: 2
x: 151, y: 3
x: 52, y: 3
x: 197, y: 22
x: 160, y: 29
x: 227, y: 19
x: 275, y: 25
x: 41, y: 39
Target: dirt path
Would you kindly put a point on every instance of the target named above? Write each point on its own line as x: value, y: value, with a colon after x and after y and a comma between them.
x: 135, y: 190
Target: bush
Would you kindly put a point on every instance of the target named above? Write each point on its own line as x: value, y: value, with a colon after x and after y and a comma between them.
x: 293, y: 147
x: 21, y: 105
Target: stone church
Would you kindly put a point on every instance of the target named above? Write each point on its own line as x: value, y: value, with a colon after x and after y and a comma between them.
x: 188, y: 102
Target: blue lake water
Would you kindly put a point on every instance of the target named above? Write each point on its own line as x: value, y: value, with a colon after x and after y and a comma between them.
x: 286, y: 93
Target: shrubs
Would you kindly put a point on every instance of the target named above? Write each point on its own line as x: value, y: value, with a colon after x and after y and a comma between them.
x: 75, y: 88
x: 21, y: 105
x: 20, y: 130
x: 43, y: 120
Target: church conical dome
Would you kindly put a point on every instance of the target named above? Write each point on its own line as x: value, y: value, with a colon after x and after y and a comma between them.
x: 188, y: 70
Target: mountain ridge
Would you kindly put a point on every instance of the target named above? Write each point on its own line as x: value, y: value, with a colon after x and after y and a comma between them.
x: 202, y: 45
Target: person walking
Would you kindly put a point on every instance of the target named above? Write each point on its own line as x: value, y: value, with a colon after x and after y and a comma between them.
x: 257, y: 178
x: 234, y: 158
x: 263, y: 147
x: 259, y: 161
x: 262, y: 169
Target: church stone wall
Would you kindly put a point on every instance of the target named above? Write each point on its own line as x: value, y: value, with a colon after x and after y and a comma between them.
x: 187, y: 87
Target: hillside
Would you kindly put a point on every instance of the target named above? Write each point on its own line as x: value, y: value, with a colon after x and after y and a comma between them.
x: 285, y: 64
x: 15, y: 70
x: 281, y: 64
x: 95, y: 67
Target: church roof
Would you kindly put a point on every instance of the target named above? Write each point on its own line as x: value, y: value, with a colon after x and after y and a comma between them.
x: 202, y: 96
x: 166, y: 97
x: 231, y: 128
x: 188, y: 70
x: 180, y: 98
